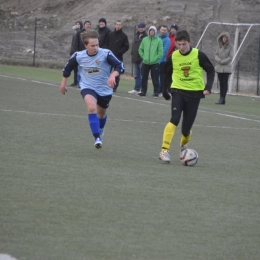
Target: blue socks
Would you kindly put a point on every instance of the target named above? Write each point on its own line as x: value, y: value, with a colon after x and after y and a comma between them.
x: 102, y: 122
x: 94, y: 124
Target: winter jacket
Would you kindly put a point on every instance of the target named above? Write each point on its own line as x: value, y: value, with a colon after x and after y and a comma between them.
x: 118, y: 43
x: 74, y: 42
x: 172, y: 46
x: 136, y: 59
x: 223, y: 54
x: 151, y: 48
x: 103, y: 36
x: 166, y: 45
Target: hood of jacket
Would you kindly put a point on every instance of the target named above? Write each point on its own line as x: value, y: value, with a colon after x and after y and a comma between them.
x: 154, y: 28
x: 81, y: 24
x: 219, y: 40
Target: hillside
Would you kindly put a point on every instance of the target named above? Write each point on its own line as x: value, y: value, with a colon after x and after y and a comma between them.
x: 55, y: 19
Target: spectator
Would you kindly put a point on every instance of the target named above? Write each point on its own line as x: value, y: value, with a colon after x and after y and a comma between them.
x: 136, y: 58
x: 96, y: 81
x: 78, y: 26
x: 118, y: 43
x: 103, y: 31
x: 174, y: 28
x: 187, y: 87
x: 78, y: 44
x: 151, y: 51
x: 163, y: 34
x: 223, y: 58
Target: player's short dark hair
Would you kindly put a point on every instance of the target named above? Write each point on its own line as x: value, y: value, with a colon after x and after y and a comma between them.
x: 89, y: 34
x: 182, y: 35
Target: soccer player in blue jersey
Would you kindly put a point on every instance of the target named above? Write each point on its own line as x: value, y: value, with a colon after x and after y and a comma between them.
x: 95, y: 80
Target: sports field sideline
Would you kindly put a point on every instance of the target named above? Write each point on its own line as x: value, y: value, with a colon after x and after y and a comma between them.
x: 62, y: 199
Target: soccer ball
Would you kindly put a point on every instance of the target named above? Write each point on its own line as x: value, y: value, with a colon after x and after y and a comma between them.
x: 189, y: 157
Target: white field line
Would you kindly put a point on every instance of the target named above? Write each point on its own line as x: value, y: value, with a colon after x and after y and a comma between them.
x: 129, y: 98
x: 127, y: 120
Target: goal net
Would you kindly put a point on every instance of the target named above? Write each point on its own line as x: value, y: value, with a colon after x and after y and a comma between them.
x: 246, y: 59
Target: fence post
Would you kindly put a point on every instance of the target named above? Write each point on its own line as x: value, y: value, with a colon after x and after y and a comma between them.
x: 258, y: 72
x: 230, y: 87
x: 34, y: 48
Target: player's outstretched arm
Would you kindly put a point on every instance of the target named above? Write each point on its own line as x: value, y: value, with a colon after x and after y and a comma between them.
x: 63, y: 88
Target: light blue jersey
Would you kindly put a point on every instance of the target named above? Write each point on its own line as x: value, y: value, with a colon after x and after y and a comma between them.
x: 94, y: 71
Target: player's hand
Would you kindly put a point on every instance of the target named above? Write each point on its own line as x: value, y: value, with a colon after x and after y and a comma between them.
x: 111, y: 82
x: 206, y: 92
x: 63, y: 89
x: 167, y: 95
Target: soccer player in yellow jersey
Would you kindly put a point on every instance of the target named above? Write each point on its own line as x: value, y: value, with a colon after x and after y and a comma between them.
x: 183, y: 83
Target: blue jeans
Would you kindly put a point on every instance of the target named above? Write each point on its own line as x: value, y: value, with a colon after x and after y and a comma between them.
x: 137, y: 76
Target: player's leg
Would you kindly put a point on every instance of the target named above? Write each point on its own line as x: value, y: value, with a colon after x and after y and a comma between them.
x: 169, y: 130
x: 102, y: 105
x: 90, y: 98
x: 189, y: 114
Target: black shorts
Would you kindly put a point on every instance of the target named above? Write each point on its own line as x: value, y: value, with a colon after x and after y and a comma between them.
x: 102, y: 101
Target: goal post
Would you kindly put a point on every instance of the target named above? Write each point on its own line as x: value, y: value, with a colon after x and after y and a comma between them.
x: 248, y: 32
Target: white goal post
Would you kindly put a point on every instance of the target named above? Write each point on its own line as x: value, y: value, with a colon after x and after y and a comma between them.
x: 249, y: 32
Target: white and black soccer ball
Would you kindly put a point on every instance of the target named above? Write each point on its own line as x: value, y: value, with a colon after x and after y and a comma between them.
x: 189, y: 157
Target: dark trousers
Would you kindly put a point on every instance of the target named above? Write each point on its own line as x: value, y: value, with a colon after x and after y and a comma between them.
x: 161, y: 67
x: 223, y: 83
x: 117, y: 82
x: 186, y: 106
x: 154, y: 68
x: 76, y: 75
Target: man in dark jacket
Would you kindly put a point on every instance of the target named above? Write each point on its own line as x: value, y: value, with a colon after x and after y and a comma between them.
x: 78, y: 45
x: 118, y: 43
x: 103, y: 32
x: 78, y: 27
x: 136, y: 58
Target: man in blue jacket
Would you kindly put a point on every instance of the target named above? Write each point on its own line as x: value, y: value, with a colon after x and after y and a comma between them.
x: 164, y: 35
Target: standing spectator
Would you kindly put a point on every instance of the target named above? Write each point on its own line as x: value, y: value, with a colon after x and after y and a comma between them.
x: 118, y: 43
x: 103, y: 31
x: 96, y: 80
x: 187, y: 87
x: 223, y: 58
x: 174, y: 28
x: 78, y: 26
x: 78, y: 45
x: 163, y: 34
x: 151, y: 51
x: 136, y: 58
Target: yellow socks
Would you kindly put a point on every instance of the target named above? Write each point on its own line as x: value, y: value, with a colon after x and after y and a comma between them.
x: 185, y: 140
x: 168, y: 134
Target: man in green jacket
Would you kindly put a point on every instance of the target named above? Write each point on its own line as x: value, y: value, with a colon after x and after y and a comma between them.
x: 151, y: 51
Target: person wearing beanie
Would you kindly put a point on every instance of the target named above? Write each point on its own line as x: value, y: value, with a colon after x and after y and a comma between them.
x: 103, y: 31
x: 151, y: 51
x: 174, y: 28
x: 118, y: 43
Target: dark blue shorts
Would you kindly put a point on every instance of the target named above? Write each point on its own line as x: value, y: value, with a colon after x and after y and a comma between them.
x: 102, y: 101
